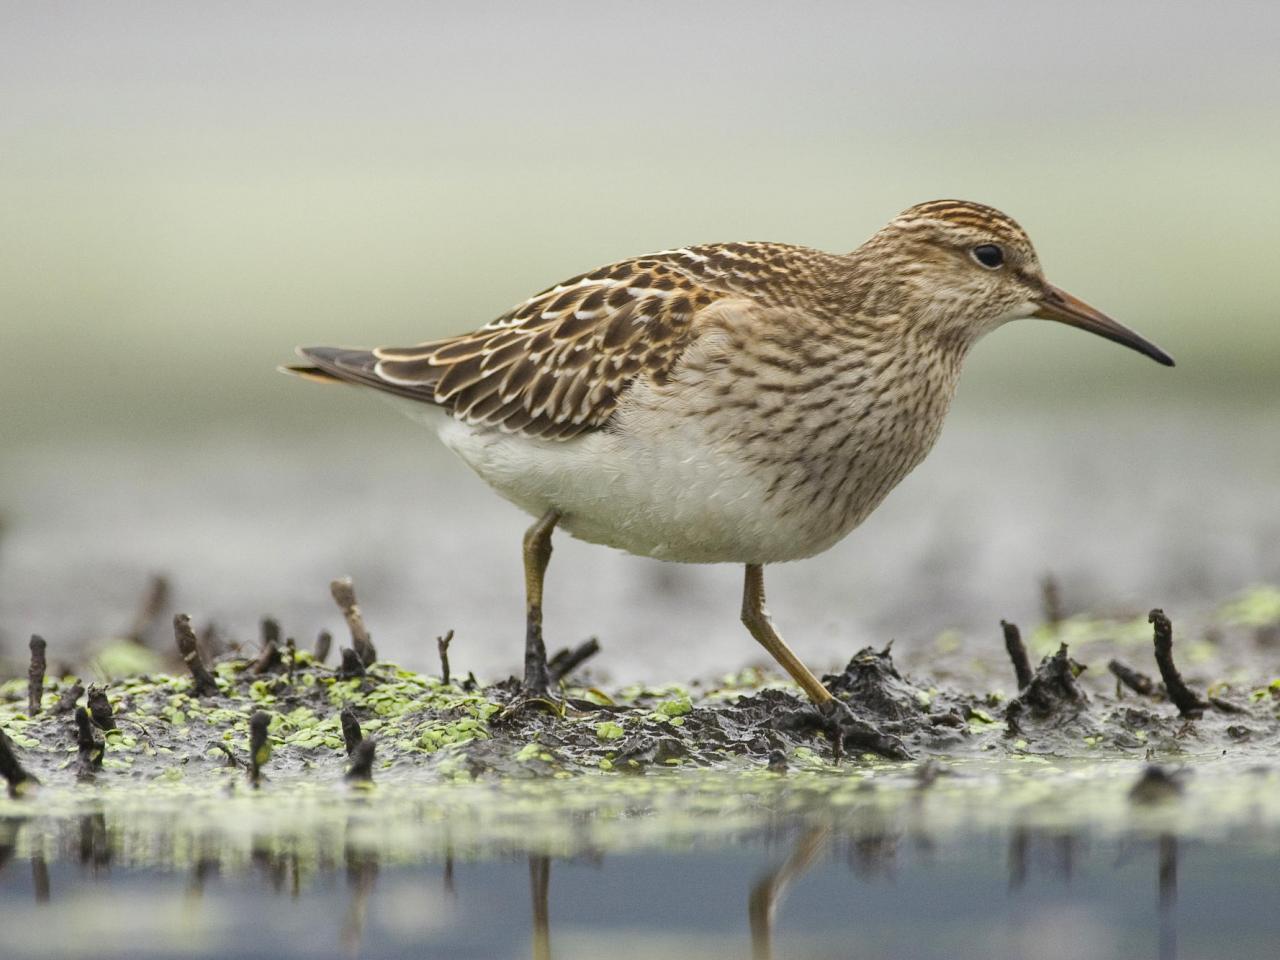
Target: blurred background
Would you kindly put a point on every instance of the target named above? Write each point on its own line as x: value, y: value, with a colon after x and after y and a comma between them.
x: 189, y: 191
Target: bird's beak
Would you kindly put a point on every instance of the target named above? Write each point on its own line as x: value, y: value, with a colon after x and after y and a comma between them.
x: 1059, y: 305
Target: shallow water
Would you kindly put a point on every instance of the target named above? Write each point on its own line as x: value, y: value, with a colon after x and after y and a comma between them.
x: 870, y: 865
x: 1077, y: 897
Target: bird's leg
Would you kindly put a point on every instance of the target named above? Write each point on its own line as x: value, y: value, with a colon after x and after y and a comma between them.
x: 537, y: 554
x: 835, y: 715
x: 756, y: 619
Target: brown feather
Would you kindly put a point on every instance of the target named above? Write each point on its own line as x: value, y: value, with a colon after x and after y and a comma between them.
x: 557, y: 364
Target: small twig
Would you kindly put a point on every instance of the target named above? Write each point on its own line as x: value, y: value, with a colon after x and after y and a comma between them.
x: 259, y: 746
x: 351, y: 734
x: 361, y: 770
x: 210, y: 642
x: 323, y: 644
x: 1017, y: 653
x: 352, y: 666
x: 100, y: 708
x: 70, y: 697
x: 89, y: 748
x: 12, y: 770
x: 1187, y: 701
x: 442, y: 647
x: 567, y: 660
x: 1226, y: 706
x: 153, y: 603
x: 291, y: 658
x: 189, y: 648
x: 269, y: 660
x: 270, y: 631
x: 232, y: 759
x: 35, y: 675
x: 1135, y: 680
x: 344, y: 594
x: 1051, y: 600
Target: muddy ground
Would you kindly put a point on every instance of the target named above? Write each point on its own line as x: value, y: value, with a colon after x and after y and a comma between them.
x: 235, y: 785
x: 1099, y: 689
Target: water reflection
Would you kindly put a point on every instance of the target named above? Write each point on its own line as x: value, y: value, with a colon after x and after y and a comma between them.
x: 540, y: 892
x: 95, y: 844
x: 804, y: 889
x: 362, y: 874
x: 1168, y: 887
x: 770, y: 889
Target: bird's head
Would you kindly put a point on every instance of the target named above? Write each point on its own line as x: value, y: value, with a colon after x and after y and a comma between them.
x: 962, y: 269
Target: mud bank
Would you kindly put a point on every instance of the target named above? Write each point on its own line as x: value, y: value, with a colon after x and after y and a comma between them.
x: 281, y: 712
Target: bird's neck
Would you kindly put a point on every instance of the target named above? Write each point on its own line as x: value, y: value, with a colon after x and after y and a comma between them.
x: 897, y: 306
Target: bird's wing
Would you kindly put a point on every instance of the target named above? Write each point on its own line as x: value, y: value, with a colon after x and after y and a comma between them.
x: 556, y: 365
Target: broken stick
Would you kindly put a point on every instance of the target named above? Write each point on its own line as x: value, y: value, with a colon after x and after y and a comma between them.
x: 344, y: 594
x: 189, y: 648
x: 1184, y: 698
x: 1017, y: 653
x: 35, y: 675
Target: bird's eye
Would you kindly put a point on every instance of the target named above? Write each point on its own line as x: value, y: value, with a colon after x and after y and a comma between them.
x: 989, y: 255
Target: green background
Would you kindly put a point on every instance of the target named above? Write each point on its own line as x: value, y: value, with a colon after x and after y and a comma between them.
x: 190, y: 191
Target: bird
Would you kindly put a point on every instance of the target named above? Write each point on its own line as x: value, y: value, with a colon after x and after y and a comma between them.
x: 746, y: 402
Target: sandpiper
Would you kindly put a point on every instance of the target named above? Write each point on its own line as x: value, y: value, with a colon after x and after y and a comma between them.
x: 742, y: 403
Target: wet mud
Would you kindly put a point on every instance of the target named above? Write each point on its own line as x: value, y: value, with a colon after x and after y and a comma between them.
x: 270, y: 766
x: 281, y: 712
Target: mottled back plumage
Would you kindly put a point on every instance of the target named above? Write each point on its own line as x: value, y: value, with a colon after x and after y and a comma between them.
x: 556, y: 365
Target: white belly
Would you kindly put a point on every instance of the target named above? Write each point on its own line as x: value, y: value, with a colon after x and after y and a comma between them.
x: 673, y: 497
x: 702, y: 471
x: 676, y: 499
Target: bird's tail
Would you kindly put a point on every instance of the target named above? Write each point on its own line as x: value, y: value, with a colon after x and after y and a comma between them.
x: 314, y: 374
x: 360, y: 367
x: 335, y: 365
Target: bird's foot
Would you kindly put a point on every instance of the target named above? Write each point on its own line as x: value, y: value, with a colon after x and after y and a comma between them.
x: 847, y: 732
x: 529, y: 699
x: 534, y: 692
